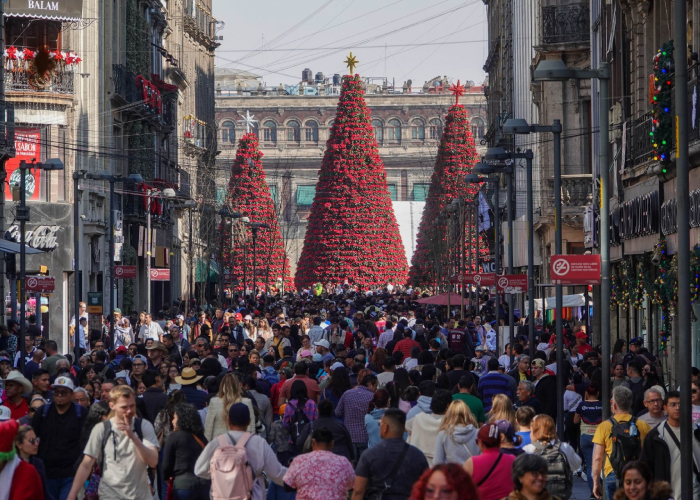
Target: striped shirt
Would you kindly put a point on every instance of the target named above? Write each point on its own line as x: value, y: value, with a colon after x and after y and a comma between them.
x: 491, y: 384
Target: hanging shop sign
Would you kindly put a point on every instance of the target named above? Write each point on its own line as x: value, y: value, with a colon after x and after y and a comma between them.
x: 634, y: 218
x: 160, y: 274
x: 94, y: 302
x: 669, y: 212
x: 64, y: 10
x: 28, y: 147
x: 575, y: 269
x: 41, y: 237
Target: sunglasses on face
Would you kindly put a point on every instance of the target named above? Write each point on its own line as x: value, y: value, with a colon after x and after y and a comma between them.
x: 233, y: 350
x: 34, y: 440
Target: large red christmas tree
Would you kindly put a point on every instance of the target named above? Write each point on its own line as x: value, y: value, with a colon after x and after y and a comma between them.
x: 456, y: 157
x: 249, y: 194
x: 352, y: 233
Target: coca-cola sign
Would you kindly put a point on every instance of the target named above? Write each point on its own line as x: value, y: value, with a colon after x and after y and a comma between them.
x: 41, y: 237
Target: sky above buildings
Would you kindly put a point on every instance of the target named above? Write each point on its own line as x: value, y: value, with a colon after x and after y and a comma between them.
x: 400, y: 39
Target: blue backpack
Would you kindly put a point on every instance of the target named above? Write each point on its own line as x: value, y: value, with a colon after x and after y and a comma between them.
x: 270, y: 375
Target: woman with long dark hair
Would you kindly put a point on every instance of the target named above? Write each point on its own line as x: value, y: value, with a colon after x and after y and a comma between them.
x: 99, y: 412
x: 182, y: 449
x: 299, y: 399
x: 163, y: 422
x: 340, y: 382
x: 617, y: 355
x: 637, y: 484
x: 397, y: 386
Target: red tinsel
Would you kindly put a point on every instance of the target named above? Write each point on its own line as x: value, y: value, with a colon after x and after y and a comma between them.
x: 352, y: 234
x: 250, y: 195
x: 456, y: 157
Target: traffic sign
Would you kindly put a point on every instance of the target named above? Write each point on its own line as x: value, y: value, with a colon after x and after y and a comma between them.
x: 41, y: 284
x: 94, y: 302
x: 160, y: 274
x: 512, y: 283
x: 575, y: 269
x: 125, y: 272
x: 479, y: 279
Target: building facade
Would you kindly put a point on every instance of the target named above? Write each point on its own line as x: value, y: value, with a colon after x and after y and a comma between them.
x: 293, y: 130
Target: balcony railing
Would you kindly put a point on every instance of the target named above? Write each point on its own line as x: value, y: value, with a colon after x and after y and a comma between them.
x: 126, y: 86
x: 566, y: 23
x: 576, y: 190
x: 58, y: 82
x: 639, y: 144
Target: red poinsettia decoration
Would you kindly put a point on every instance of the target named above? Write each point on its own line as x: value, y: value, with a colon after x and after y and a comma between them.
x: 250, y: 195
x: 12, y: 53
x: 352, y: 235
x: 456, y: 157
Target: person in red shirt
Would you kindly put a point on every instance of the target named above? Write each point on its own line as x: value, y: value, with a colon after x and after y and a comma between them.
x: 583, y: 346
x: 21, y: 477
x: 406, y: 344
x: 15, y: 386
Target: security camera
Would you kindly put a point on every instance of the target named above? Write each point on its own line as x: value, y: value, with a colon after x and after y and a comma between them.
x: 83, y: 216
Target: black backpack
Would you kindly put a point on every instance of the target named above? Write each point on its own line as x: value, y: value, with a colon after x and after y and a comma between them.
x: 560, y: 479
x: 627, y: 444
x: 298, y: 422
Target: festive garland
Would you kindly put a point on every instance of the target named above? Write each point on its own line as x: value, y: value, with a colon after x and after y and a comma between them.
x: 662, y: 101
x: 618, y: 290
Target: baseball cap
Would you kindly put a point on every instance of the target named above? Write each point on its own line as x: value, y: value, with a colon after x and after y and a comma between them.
x: 140, y: 357
x: 180, y: 317
x: 581, y: 335
x: 238, y: 316
x: 490, y: 435
x: 317, y: 357
x: 239, y: 414
x: 323, y: 343
x: 336, y: 365
x: 4, y: 358
x: 539, y: 363
x: 5, y: 413
x: 121, y: 350
x: 636, y: 341
x: 248, y: 317
x: 117, y: 310
x: 63, y: 382
x: 305, y: 353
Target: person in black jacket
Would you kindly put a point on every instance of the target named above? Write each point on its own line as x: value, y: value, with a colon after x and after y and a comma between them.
x: 181, y: 451
x: 342, y: 442
x: 520, y: 371
x: 154, y: 399
x: 656, y: 452
x: 545, y: 388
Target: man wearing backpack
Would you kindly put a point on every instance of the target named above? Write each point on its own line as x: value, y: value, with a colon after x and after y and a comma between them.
x: 58, y: 425
x: 236, y: 460
x: 124, y: 447
x: 636, y: 384
x: 617, y: 441
x: 661, y: 449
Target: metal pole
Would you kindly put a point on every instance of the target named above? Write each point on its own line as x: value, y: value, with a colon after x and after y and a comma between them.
x: 23, y: 215
x: 191, y: 280
x: 683, y: 220
x: 76, y: 259
x: 530, y: 258
x: 221, y: 264
x: 245, y: 262
x: 509, y: 178
x: 497, y: 258
x: 462, y: 250
x: 112, y: 302
x: 148, y: 251
x: 556, y: 129
x: 255, y: 257
x: 3, y: 156
x: 476, y: 254
x: 605, y: 283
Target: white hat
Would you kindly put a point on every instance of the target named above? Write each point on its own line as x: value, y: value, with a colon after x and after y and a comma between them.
x: 63, y: 382
x: 323, y: 343
x: 15, y: 376
x: 181, y: 317
x: 337, y: 365
x: 5, y: 413
x: 248, y: 317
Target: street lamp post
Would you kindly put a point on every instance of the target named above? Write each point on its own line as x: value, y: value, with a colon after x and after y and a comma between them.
x: 23, y: 216
x: 483, y: 168
x: 190, y: 206
x: 112, y: 179
x: 556, y: 70
x: 474, y: 179
x: 152, y: 193
x: 225, y: 214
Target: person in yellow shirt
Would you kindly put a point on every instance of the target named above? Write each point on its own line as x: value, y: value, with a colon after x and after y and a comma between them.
x: 622, y: 399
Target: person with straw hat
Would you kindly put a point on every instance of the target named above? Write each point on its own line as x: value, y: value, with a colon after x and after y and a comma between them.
x: 15, y: 386
x: 188, y: 380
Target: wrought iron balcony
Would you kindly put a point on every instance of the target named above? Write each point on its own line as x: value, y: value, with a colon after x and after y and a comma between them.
x: 21, y: 80
x: 566, y: 23
x: 576, y: 191
x: 639, y: 144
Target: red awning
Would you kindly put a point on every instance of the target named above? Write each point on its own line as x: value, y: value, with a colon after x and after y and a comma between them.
x: 441, y: 300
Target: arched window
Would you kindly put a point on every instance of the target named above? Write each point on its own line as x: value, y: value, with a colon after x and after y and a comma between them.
x: 435, y: 129
x: 255, y: 130
x: 418, y: 129
x: 378, y: 131
x: 270, y: 132
x: 311, y: 131
x: 293, y: 131
x: 228, y: 133
x: 393, y: 130
x: 477, y: 128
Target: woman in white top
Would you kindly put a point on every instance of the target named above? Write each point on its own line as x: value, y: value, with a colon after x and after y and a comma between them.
x: 543, y: 433
x: 264, y: 329
x: 217, y: 415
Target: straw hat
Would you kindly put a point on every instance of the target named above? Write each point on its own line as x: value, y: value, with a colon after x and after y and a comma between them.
x: 15, y: 376
x: 188, y: 377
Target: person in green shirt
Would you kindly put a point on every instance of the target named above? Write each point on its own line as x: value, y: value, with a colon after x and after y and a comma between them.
x: 465, y: 386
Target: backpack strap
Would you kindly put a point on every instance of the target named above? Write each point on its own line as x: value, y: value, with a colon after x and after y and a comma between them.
x: 244, y: 440
x: 137, y: 427
x: 488, y: 474
x: 223, y: 441
x: 107, y: 431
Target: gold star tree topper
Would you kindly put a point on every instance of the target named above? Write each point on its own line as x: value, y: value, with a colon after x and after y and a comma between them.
x: 351, y: 62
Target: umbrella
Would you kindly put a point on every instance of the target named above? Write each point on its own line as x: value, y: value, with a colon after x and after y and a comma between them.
x: 441, y: 300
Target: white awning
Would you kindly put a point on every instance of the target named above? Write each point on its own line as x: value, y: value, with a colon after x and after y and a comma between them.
x: 59, y: 10
x: 576, y: 300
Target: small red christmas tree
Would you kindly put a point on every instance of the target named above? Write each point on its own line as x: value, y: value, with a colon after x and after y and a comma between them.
x: 456, y: 157
x: 249, y: 194
x: 352, y: 233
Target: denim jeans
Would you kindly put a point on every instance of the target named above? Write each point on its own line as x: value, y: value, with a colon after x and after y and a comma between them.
x: 587, y: 445
x: 195, y: 494
x: 60, y: 487
x: 611, y: 485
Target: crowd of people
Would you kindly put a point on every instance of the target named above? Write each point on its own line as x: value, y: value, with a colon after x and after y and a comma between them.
x: 332, y: 395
